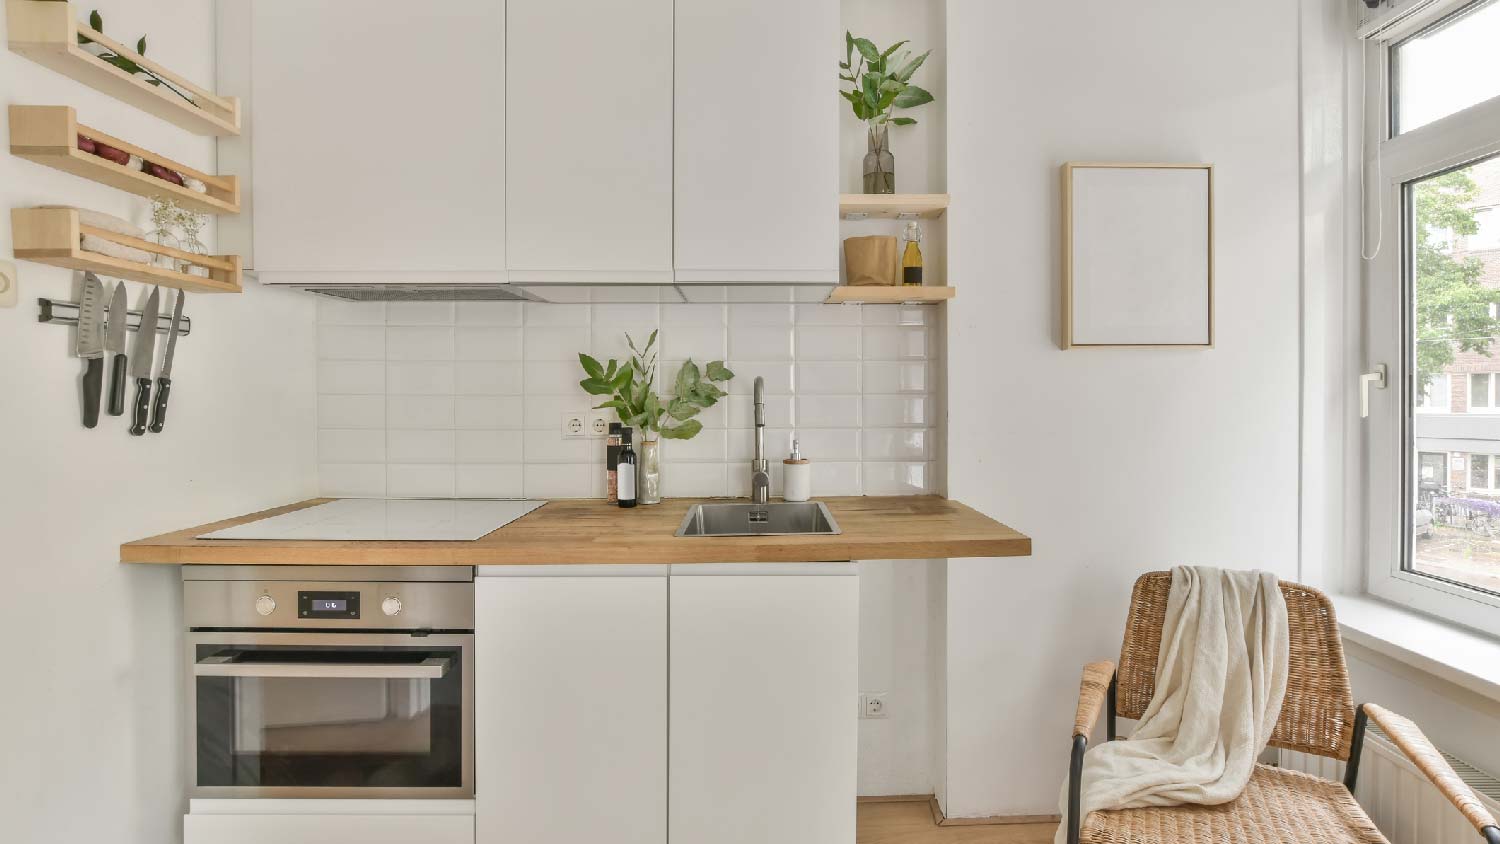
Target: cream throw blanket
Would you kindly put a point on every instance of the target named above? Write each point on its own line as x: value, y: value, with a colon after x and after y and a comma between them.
x: 1220, y: 678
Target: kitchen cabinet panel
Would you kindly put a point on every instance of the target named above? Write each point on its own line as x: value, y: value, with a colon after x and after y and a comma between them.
x: 571, y: 702
x: 764, y: 692
x: 377, y: 138
x: 588, y: 142
x: 756, y: 140
x: 372, y: 828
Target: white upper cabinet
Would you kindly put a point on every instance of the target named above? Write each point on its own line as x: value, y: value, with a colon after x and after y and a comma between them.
x: 757, y: 111
x: 377, y: 147
x: 588, y: 144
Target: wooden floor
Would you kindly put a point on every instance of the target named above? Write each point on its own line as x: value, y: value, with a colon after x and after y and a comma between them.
x: 911, y: 823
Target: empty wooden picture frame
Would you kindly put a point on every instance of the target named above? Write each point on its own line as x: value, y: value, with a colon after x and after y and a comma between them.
x: 1138, y: 255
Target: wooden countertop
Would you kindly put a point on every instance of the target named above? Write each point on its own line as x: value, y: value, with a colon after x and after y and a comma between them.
x: 592, y: 532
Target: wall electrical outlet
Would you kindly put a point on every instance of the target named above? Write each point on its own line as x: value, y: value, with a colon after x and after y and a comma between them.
x: 873, y: 705
x: 573, y: 426
x: 599, y: 423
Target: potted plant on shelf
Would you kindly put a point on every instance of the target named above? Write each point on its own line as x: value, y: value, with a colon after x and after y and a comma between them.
x: 881, y: 81
x: 631, y: 388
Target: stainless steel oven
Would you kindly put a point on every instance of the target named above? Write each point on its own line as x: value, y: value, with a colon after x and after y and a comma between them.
x: 330, y: 681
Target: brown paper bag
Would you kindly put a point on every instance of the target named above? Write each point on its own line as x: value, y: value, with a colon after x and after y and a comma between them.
x: 870, y: 261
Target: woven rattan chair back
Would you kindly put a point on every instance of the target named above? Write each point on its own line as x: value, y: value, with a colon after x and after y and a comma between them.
x: 1317, y: 715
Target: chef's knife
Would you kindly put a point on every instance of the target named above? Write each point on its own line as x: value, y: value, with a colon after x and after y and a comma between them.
x: 114, y: 343
x: 164, y: 380
x: 141, y: 359
x: 91, y: 345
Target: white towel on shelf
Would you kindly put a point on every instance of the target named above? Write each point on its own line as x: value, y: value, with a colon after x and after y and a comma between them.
x: 1220, y: 679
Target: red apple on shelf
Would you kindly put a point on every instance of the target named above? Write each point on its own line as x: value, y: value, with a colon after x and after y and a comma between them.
x: 87, y: 145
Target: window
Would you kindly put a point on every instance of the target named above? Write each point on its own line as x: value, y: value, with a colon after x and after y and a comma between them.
x: 1446, y: 67
x: 1433, y: 505
x: 1435, y: 398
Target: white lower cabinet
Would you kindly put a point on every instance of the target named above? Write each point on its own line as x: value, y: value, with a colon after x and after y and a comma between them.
x: 324, y: 821
x: 646, y: 704
x: 571, y: 709
x: 764, y: 690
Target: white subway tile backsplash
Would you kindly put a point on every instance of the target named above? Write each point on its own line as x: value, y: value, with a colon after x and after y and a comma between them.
x: 351, y: 445
x: 828, y: 412
x: 351, y: 377
x: 488, y: 446
x: 436, y: 399
x: 493, y: 343
x: 828, y: 342
x: 352, y: 480
x: 489, y: 313
x: 417, y: 480
x: 351, y: 411
x: 404, y: 343
x: 351, y: 342
x: 837, y: 378
x: 555, y: 342
x: 431, y: 412
x: 419, y: 313
x: 898, y: 411
x: 419, y: 378
x: 419, y: 446
x: 487, y: 378
x: 496, y: 481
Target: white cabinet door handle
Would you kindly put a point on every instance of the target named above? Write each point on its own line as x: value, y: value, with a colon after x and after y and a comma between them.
x: 1378, y: 379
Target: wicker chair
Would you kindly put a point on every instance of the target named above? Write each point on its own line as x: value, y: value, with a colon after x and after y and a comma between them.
x: 1318, y: 717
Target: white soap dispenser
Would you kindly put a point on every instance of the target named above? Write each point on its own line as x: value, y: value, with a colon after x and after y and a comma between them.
x: 796, y: 476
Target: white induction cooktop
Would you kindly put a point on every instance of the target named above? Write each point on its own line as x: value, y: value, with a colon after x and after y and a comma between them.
x: 429, y: 520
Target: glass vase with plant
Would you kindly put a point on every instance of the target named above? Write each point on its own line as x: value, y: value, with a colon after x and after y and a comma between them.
x: 881, y: 83
x: 631, y: 387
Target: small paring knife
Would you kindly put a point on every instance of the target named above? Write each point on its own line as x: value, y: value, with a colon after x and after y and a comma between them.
x: 114, y: 343
x: 164, y: 380
x: 141, y: 358
x: 91, y: 345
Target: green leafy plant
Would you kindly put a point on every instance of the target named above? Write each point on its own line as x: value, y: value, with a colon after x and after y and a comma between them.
x: 96, y: 23
x: 881, y: 80
x: 631, y: 388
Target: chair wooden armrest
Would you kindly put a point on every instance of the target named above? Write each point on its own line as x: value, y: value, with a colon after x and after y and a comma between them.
x: 1409, y: 738
x: 1098, y: 679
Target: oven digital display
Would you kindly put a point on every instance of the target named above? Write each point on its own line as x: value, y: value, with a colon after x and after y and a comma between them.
x: 329, y: 605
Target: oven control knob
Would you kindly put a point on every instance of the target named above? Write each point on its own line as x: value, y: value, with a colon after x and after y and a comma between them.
x: 391, y: 606
x: 265, y: 605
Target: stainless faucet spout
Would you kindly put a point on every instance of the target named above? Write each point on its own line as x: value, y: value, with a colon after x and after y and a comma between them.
x: 760, y: 468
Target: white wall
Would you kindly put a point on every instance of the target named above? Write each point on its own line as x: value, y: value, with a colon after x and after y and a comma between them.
x: 1115, y: 462
x: 92, y: 713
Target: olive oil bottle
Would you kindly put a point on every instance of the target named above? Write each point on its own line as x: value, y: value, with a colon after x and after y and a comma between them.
x: 911, y: 259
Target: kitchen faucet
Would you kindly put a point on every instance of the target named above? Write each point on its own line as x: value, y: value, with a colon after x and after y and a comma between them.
x: 760, y: 469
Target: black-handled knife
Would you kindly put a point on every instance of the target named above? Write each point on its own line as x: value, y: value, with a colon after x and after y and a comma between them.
x: 114, y: 343
x: 164, y: 380
x: 142, y: 356
x: 91, y: 345
x: 93, y: 384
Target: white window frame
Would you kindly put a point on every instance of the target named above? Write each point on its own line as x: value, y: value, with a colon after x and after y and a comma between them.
x: 1444, y: 399
x: 1491, y: 462
x: 1392, y: 162
x: 1490, y: 399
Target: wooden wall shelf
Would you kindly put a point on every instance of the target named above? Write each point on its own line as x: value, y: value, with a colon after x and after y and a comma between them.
x: 47, y: 33
x: 49, y: 135
x: 893, y: 206
x: 893, y: 295
x: 51, y: 236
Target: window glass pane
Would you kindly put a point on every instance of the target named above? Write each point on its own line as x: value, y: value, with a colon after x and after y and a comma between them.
x: 1487, y: 231
x: 1447, y: 67
x: 1454, y: 336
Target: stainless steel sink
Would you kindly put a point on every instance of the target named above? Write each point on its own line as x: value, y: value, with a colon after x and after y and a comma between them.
x: 775, y: 519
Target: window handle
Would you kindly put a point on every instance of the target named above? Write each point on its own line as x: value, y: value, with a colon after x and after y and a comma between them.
x: 1378, y: 379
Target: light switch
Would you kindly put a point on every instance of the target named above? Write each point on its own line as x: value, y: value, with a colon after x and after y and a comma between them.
x: 9, y: 285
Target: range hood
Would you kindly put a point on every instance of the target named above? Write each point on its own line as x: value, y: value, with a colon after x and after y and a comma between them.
x: 750, y: 293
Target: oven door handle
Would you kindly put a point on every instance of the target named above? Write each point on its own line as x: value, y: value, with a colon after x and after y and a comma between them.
x: 432, y: 668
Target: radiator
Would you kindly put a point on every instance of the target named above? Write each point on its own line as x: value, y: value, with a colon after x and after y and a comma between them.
x: 1406, y: 807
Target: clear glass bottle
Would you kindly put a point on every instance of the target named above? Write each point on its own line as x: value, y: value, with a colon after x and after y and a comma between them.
x: 911, y: 259
x: 648, y: 487
x: 880, y: 165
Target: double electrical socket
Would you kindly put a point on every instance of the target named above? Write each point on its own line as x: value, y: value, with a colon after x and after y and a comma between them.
x: 587, y: 424
x: 872, y: 705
